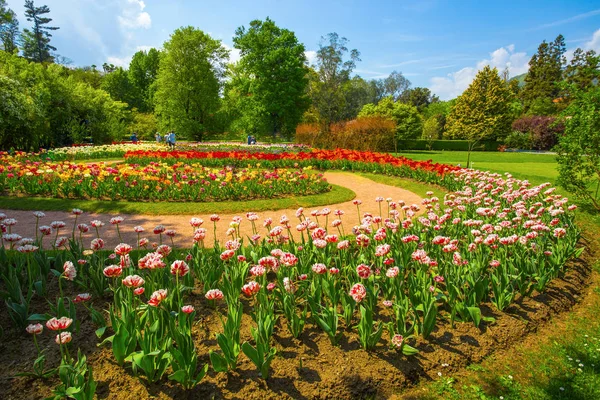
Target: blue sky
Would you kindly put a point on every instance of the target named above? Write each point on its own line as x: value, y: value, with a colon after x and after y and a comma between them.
x: 436, y: 44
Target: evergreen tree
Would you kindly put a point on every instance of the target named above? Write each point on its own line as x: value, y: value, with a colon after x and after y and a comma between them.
x: 483, y: 111
x: 36, y: 42
x: 9, y: 28
x: 584, y: 69
x: 545, y: 73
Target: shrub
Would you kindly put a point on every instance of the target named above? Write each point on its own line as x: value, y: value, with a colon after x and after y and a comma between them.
x: 448, y: 145
x: 308, y: 133
x: 368, y: 133
x: 543, y: 130
x: 144, y: 124
x: 518, y: 140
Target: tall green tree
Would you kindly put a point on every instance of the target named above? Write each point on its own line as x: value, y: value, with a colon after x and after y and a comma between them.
x: 189, y: 81
x: 9, y: 28
x: 545, y: 73
x: 143, y: 71
x: 395, y: 85
x: 118, y: 85
x: 583, y: 71
x: 357, y: 93
x: 244, y: 111
x: 36, y: 42
x: 419, y: 97
x: 274, y: 61
x: 333, y: 71
x: 482, y: 112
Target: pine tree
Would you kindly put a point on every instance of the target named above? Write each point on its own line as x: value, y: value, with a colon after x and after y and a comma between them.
x: 36, y: 42
x: 482, y: 112
x: 545, y: 72
x: 584, y: 69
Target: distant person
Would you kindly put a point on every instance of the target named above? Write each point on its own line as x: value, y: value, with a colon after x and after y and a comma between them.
x: 157, y: 137
x: 172, y: 140
x: 249, y: 138
x: 134, y: 138
x: 252, y: 140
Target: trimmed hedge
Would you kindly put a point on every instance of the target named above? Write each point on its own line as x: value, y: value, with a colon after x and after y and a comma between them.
x: 451, y: 145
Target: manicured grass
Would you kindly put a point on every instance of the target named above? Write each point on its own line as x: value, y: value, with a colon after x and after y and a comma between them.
x: 537, y: 168
x: 337, y: 194
x: 411, y: 185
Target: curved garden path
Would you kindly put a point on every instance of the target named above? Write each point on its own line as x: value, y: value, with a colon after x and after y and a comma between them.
x: 365, y: 189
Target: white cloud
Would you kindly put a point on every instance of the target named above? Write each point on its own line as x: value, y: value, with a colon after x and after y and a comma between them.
x: 311, y: 56
x: 119, y: 61
x: 234, y: 54
x: 133, y: 15
x: 594, y: 43
x: 126, y: 60
x: 453, y: 84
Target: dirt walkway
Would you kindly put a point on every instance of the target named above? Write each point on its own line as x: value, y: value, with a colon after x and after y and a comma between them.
x: 366, y: 190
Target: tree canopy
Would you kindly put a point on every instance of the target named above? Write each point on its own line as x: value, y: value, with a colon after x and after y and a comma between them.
x: 409, y: 123
x: 483, y: 110
x: 189, y: 81
x: 272, y: 73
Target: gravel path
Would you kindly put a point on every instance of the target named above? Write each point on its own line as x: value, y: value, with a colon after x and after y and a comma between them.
x: 365, y: 189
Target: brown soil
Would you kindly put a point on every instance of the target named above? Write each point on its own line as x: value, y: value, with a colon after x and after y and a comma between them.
x: 308, y: 368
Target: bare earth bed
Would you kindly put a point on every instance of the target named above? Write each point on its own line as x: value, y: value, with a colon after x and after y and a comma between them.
x: 307, y: 368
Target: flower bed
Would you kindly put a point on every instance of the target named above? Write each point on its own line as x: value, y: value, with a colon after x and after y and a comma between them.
x: 153, y: 182
x: 389, y: 281
x: 348, y: 160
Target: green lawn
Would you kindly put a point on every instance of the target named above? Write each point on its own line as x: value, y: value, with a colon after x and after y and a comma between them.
x: 338, y: 194
x: 538, y: 168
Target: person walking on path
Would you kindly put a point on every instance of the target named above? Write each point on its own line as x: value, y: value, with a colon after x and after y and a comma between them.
x: 172, y: 140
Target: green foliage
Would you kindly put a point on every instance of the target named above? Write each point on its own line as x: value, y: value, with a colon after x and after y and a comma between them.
x: 447, y: 145
x: 143, y: 71
x: 119, y: 86
x: 396, y: 85
x: 271, y: 77
x: 44, y: 106
x: 518, y: 140
x: 584, y: 69
x: 189, y: 81
x: 357, y: 93
x: 143, y: 124
x: 579, y: 146
x: 408, y: 121
x: 432, y: 129
x: 326, y: 83
x: 419, y: 97
x: 36, y: 42
x: 9, y: 28
x: 545, y: 72
x: 482, y: 111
